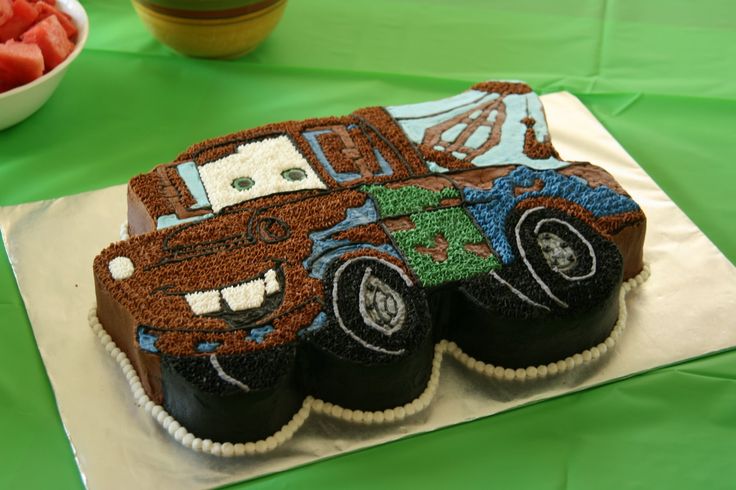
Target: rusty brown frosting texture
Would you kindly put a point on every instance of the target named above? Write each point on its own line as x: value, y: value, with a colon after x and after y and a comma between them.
x: 328, y: 278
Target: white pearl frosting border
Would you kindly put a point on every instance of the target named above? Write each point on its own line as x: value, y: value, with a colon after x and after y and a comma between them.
x: 317, y: 406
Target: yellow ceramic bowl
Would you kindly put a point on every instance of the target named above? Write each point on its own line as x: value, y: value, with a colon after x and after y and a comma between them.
x: 212, y: 29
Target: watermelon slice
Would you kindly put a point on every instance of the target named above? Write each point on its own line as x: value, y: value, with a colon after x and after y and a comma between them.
x: 6, y: 11
x: 19, y: 63
x: 50, y: 36
x: 45, y: 10
x: 24, y: 14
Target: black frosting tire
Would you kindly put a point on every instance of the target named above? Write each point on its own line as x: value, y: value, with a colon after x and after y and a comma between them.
x: 375, y: 350
x: 220, y: 397
x: 557, y: 298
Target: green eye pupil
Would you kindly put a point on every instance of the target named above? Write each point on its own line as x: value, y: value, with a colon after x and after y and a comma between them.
x: 243, y: 183
x: 294, y: 174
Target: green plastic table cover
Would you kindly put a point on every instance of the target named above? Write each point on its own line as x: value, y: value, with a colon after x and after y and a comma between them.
x: 660, y: 76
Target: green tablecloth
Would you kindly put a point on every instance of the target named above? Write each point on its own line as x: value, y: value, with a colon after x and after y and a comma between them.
x: 659, y: 75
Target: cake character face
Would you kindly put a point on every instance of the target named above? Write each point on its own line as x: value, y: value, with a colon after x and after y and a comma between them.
x: 324, y: 257
x: 256, y: 169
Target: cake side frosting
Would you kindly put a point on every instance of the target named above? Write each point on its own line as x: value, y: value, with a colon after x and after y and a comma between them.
x: 326, y: 257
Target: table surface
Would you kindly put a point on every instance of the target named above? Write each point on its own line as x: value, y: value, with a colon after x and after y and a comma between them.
x: 658, y: 74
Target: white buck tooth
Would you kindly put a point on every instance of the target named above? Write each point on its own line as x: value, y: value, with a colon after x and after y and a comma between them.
x: 245, y: 296
x: 203, y: 302
x: 272, y: 283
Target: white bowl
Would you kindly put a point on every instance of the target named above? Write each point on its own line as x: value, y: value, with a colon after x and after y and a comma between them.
x: 20, y: 102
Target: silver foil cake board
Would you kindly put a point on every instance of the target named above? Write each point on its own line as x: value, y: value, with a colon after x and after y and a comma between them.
x: 118, y: 445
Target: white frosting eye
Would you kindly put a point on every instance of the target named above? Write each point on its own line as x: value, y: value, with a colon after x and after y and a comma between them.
x: 245, y: 296
x: 257, y: 169
x: 121, y: 268
x: 204, y: 302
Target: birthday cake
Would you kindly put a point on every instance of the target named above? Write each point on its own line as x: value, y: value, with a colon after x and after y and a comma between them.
x: 328, y: 261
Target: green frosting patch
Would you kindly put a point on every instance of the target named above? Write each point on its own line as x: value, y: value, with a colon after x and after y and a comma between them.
x: 408, y: 199
x: 435, y: 247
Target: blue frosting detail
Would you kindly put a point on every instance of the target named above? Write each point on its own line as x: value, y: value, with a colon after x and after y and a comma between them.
x: 479, y: 136
x: 385, y: 167
x: 452, y: 133
x: 535, y: 110
x: 426, y: 109
x: 168, y: 220
x: 415, y: 119
x: 430, y: 114
x: 189, y: 173
x: 490, y: 208
x: 325, y: 248
x: 147, y: 341
x: 510, y: 149
x: 207, y: 346
x: 319, y: 321
x: 311, y: 137
x: 319, y: 267
x: 257, y: 334
x: 433, y: 167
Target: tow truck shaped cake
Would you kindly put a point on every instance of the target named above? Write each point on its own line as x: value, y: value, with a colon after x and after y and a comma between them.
x: 327, y: 257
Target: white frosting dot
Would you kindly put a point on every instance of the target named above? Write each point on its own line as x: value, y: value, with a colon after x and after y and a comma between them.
x: 188, y: 439
x: 261, y: 447
x: 250, y: 448
x: 271, y: 443
x: 197, y: 444
x: 121, y: 268
x: 595, y: 353
x: 216, y: 449
x: 180, y: 433
x: 228, y: 450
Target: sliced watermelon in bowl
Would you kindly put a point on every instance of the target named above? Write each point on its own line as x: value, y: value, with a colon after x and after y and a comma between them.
x: 24, y: 15
x: 20, y: 63
x: 20, y: 102
x: 45, y: 10
x: 51, y: 38
x: 6, y: 11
